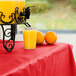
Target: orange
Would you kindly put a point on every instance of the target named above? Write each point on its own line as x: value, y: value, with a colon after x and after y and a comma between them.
x: 40, y: 37
x: 50, y: 37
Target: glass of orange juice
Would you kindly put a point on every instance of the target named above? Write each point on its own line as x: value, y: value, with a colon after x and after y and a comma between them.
x: 29, y: 35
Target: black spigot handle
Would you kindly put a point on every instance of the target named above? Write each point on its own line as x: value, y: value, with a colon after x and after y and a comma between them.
x: 27, y: 10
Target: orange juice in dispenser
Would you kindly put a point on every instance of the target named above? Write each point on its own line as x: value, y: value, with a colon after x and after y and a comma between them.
x: 8, y: 6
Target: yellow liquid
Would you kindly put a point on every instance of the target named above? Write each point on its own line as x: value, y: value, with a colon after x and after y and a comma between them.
x: 8, y: 7
x: 30, y: 39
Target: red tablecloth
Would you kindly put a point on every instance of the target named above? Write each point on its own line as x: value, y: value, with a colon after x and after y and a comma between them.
x: 45, y: 60
x: 75, y: 70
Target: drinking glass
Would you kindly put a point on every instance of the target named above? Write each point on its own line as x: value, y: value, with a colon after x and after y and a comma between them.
x: 29, y: 36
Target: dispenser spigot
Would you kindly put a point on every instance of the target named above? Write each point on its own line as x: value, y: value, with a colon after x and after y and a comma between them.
x: 26, y: 12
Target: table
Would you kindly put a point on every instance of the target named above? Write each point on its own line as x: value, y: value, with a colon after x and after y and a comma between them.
x: 45, y: 60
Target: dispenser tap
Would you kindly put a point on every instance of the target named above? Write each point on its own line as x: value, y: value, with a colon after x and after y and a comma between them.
x: 26, y: 12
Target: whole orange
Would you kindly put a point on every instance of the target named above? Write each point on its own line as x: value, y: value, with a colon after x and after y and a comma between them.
x: 50, y: 37
x: 40, y: 37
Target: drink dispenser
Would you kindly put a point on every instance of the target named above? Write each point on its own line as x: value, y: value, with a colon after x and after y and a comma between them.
x: 7, y: 7
x: 12, y: 12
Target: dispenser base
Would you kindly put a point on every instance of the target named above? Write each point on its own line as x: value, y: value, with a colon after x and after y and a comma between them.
x: 10, y: 34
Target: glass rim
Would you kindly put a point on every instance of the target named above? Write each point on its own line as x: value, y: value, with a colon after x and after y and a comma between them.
x: 30, y: 28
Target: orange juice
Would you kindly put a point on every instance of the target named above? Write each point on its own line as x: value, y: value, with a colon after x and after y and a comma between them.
x: 8, y: 7
x: 29, y: 39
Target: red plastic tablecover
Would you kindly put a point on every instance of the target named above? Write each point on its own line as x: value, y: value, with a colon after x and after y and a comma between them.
x: 45, y: 60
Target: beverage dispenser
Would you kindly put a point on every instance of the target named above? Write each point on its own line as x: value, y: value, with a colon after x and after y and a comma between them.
x: 12, y: 12
x: 7, y: 7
